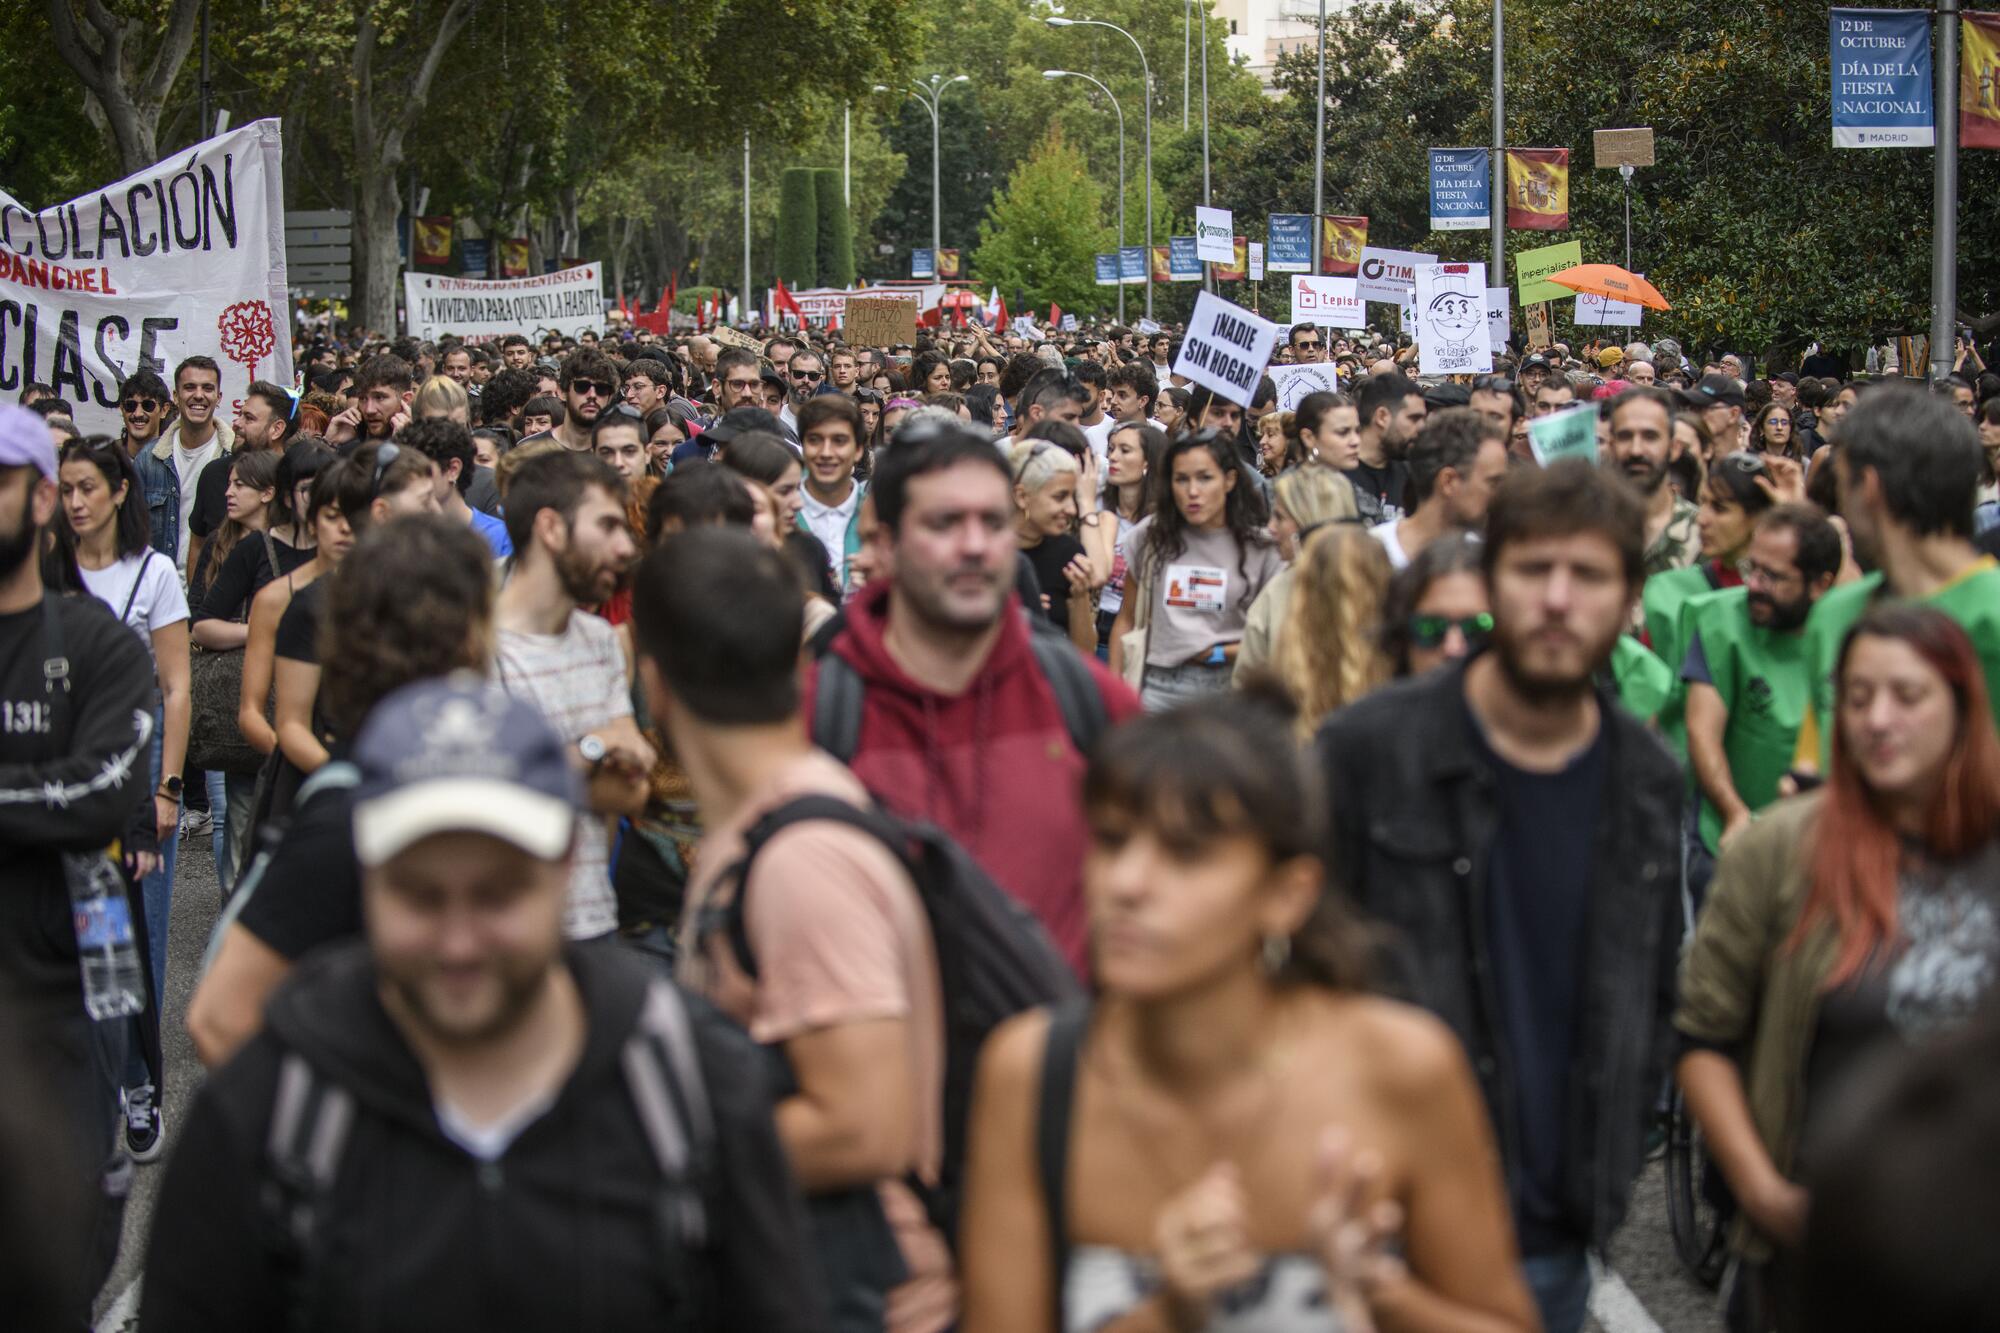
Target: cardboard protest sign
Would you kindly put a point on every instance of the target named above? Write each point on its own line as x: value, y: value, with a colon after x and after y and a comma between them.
x: 1570, y: 433
x: 1452, y: 338
x: 1623, y: 148
x: 1540, y: 325
x: 1496, y: 318
x: 1532, y: 269
x: 1214, y: 235
x: 1386, y: 274
x: 1256, y: 261
x: 729, y: 337
x: 880, y: 321
x: 1295, y: 382
x: 184, y: 258
x: 1226, y: 348
x: 1334, y: 302
x: 482, y: 309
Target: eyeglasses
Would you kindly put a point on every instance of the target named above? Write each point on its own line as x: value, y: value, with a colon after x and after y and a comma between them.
x: 1753, y: 572
x: 384, y: 458
x: 1432, y: 631
x: 1493, y: 384
x: 598, y: 387
x: 140, y: 405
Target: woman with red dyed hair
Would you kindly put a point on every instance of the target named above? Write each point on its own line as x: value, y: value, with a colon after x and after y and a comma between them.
x: 1864, y: 914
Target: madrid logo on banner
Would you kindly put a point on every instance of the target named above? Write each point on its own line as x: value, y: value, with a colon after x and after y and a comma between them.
x: 1979, y: 83
x: 568, y: 301
x: 185, y: 258
x: 1214, y: 237
x: 1334, y: 302
x: 1461, y: 189
x: 1291, y: 241
x: 1881, y: 61
x: 1226, y: 348
x: 1344, y: 240
x: 1452, y: 334
x: 1387, y: 275
x: 1538, y: 189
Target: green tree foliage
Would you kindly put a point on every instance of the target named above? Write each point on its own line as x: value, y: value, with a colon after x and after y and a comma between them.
x: 836, y: 230
x: 798, y: 228
x: 1043, y: 229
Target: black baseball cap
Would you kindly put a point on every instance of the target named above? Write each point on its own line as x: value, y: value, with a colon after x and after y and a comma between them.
x: 1714, y: 389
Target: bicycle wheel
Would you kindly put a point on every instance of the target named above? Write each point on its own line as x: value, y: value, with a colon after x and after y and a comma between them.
x: 1698, y: 1204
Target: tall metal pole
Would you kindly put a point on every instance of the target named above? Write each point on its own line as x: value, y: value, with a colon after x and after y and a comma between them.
x: 1187, y: 57
x: 1625, y: 173
x: 1496, y: 272
x: 206, y: 96
x: 1319, y: 142
x: 937, y: 195
x: 1112, y: 98
x: 1146, y: 77
x: 847, y: 154
x: 743, y: 307
x: 1944, y: 203
x: 1207, y: 184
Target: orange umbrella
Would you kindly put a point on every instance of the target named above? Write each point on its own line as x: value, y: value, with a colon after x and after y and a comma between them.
x: 1612, y: 283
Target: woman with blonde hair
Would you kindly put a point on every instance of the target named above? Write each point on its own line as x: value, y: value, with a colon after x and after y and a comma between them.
x: 1046, y: 477
x: 1302, y: 501
x: 442, y: 396
x: 1330, y: 653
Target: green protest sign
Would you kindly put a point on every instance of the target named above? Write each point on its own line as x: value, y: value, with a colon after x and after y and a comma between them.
x: 1571, y: 433
x: 1532, y: 269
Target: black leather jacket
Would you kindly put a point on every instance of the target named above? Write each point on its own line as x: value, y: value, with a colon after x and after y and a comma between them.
x: 1413, y: 822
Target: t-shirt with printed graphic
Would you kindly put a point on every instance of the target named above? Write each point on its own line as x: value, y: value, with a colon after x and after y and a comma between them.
x: 577, y: 679
x: 1200, y: 597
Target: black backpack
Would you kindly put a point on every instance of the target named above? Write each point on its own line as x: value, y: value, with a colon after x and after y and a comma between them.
x: 994, y: 958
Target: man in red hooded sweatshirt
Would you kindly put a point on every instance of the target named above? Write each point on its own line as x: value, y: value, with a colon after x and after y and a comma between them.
x: 960, y: 724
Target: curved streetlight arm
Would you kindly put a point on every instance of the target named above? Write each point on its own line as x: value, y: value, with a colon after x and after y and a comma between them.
x: 1110, y: 97
x: 1146, y: 77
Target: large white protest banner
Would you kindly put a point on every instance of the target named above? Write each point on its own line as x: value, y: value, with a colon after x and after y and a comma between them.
x: 1593, y: 311
x: 1385, y: 275
x: 568, y: 301
x: 1497, y: 317
x: 1214, y: 239
x: 186, y: 258
x: 1334, y: 302
x: 1295, y: 382
x: 1226, y: 348
x: 1452, y: 336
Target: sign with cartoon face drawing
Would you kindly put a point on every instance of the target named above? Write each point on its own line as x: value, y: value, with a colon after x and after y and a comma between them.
x: 1452, y: 334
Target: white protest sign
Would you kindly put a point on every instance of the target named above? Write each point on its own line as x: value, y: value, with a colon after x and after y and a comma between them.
x: 1570, y: 433
x: 1598, y: 311
x: 1147, y: 326
x: 1334, y: 302
x: 1295, y: 382
x: 1498, y: 317
x: 1452, y: 337
x: 1386, y: 274
x: 186, y: 258
x: 482, y: 309
x: 1226, y: 348
x: 1214, y: 239
x: 1256, y: 261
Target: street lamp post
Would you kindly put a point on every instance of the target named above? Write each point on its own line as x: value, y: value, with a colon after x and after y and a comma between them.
x: 931, y: 93
x: 1073, y: 74
x: 1146, y: 77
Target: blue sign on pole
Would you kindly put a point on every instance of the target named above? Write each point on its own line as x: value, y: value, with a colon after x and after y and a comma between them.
x: 1132, y: 264
x: 923, y: 264
x: 1107, y: 270
x: 1881, y: 62
x: 1461, y: 189
x: 1290, y: 249
x: 472, y: 257
x: 1183, y: 263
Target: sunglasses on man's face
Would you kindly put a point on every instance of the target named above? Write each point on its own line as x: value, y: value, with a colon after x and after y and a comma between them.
x: 140, y: 405
x: 598, y: 387
x: 1307, y: 345
x: 809, y: 376
x: 1432, y: 631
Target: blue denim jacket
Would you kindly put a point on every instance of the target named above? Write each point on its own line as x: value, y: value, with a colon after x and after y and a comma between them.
x: 161, y: 482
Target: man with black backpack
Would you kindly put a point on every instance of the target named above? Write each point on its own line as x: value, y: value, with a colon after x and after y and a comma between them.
x: 831, y: 929
x: 942, y: 699
x: 463, y: 1120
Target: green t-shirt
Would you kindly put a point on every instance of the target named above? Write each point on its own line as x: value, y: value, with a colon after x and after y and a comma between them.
x: 1644, y: 683
x: 1664, y: 603
x: 1761, y: 676
x: 1972, y: 599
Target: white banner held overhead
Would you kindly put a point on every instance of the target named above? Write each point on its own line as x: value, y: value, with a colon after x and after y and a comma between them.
x: 480, y: 309
x: 1333, y: 302
x: 1498, y: 317
x: 1598, y: 311
x: 1226, y: 348
x: 185, y: 258
x: 1294, y: 383
x: 1385, y: 275
x: 1214, y: 239
x: 1452, y: 336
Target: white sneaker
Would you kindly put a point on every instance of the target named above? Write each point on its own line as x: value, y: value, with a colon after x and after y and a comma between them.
x: 145, y: 1125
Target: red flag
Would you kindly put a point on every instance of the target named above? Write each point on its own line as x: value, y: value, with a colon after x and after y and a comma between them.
x: 623, y: 308
x: 783, y: 300
x: 1001, y: 325
x: 667, y: 299
x: 1055, y: 315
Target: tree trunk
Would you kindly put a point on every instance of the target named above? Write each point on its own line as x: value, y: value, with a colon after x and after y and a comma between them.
x: 377, y: 256
x: 130, y: 89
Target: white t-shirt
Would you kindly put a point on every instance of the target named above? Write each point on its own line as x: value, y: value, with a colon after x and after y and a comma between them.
x: 829, y: 524
x: 1100, y: 439
x: 188, y: 464
x: 144, y: 588
x: 1386, y: 534
x: 577, y: 680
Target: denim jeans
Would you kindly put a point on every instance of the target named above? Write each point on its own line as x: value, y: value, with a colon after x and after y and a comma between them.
x: 1561, y: 1282
x: 1166, y: 687
x: 231, y: 797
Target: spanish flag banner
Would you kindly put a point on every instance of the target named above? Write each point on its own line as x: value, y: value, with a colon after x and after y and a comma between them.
x: 1162, y: 269
x: 1238, y: 268
x: 947, y: 266
x: 433, y: 240
x: 514, y: 257
x: 1979, y: 83
x: 1538, y: 189
x: 1341, y: 242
